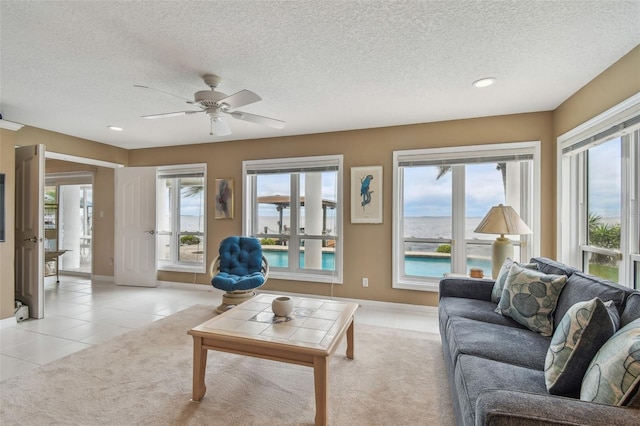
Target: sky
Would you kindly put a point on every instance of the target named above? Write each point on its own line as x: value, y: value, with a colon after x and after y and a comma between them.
x: 427, y: 196
x: 604, y: 182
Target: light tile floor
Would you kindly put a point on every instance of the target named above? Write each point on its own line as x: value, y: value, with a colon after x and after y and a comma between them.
x: 80, y: 313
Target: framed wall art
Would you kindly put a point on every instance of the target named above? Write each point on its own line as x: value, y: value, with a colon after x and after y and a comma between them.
x: 366, y: 194
x: 224, y: 199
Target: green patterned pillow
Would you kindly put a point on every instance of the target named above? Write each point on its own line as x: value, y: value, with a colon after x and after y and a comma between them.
x: 530, y: 297
x: 614, y: 373
x: 498, y: 286
x: 583, y: 330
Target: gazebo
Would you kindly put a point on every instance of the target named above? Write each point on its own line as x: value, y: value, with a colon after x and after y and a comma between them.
x: 284, y: 201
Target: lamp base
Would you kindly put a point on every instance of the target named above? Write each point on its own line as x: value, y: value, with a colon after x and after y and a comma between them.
x: 501, y: 248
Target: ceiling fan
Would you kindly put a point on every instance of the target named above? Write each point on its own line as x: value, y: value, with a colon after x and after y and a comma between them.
x: 216, y: 105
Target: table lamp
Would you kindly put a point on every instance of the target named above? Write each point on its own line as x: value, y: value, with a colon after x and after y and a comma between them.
x: 502, y: 220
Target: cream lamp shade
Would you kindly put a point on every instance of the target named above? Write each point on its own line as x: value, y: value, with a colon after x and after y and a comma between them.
x: 502, y: 220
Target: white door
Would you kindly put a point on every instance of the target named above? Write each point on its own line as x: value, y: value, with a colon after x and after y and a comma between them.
x: 29, y: 239
x: 135, y: 241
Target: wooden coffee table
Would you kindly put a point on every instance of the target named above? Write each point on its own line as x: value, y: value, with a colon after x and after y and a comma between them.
x: 307, y: 337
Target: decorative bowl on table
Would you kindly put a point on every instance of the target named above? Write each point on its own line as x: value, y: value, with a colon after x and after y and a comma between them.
x: 282, y: 306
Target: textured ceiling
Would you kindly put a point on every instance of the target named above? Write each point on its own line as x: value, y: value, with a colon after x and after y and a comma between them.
x: 320, y: 66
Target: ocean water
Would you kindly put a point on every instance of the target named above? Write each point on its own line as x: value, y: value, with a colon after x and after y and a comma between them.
x: 415, y: 227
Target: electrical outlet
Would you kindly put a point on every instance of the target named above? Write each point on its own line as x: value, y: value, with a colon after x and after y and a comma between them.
x: 365, y: 282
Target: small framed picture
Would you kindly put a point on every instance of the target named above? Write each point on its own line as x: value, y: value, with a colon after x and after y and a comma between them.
x: 366, y: 194
x: 224, y: 199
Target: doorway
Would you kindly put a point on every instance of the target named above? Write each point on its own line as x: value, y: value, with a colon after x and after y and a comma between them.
x: 73, y: 196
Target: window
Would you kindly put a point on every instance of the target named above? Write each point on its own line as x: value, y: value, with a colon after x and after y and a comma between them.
x: 180, y: 218
x: 295, y: 207
x: 598, y: 195
x: 440, y: 197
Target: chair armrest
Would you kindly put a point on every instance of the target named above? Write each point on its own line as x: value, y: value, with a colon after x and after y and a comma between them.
x: 469, y: 288
x: 503, y: 407
x: 214, y: 268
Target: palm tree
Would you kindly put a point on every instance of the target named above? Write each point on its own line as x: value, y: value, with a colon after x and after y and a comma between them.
x: 502, y: 167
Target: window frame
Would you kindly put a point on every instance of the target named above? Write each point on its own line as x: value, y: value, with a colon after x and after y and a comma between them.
x: 530, y: 244
x: 251, y: 168
x: 572, y: 148
x: 174, y: 264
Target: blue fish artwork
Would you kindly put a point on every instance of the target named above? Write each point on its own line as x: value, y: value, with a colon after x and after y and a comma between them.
x: 365, y: 191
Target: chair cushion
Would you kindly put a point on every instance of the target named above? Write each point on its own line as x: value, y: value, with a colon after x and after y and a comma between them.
x: 577, y: 339
x: 581, y: 287
x: 240, y: 255
x: 530, y: 297
x: 613, y: 376
x: 480, y: 310
x: 240, y: 264
x: 230, y: 282
x: 518, y: 346
x: 549, y: 266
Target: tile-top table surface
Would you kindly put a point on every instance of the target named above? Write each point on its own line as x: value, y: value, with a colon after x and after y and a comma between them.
x: 313, y: 324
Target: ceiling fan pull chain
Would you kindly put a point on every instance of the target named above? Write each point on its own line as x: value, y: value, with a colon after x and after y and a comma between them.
x: 211, y: 128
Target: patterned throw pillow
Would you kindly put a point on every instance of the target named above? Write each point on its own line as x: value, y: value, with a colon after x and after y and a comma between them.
x: 583, y: 330
x: 498, y: 286
x: 614, y: 373
x: 530, y: 297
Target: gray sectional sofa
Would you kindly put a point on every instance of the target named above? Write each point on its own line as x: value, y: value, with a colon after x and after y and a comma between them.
x: 495, y: 365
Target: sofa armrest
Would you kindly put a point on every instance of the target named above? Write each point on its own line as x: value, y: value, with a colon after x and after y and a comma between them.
x: 469, y: 288
x: 509, y: 408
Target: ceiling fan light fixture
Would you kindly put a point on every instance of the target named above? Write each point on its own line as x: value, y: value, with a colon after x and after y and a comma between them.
x: 115, y: 128
x: 484, y: 82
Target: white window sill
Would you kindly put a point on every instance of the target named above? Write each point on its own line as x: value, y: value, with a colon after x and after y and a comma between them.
x: 182, y: 268
x: 433, y: 286
x: 301, y: 276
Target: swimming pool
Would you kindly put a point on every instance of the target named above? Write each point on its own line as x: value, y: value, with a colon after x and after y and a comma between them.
x: 422, y: 266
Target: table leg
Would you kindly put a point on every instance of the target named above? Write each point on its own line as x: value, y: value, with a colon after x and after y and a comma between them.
x: 350, y: 340
x: 199, y: 367
x: 321, y: 379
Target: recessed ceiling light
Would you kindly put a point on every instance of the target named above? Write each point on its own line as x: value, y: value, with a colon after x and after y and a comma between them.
x: 115, y: 128
x: 484, y: 82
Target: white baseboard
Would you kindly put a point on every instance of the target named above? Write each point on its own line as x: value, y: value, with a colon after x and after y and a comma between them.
x: 188, y: 286
x: 364, y: 302
x: 8, y: 322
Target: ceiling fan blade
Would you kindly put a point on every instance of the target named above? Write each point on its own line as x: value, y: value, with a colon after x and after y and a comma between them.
x: 170, y: 114
x: 220, y: 127
x: 189, y: 101
x: 258, y: 119
x: 242, y: 98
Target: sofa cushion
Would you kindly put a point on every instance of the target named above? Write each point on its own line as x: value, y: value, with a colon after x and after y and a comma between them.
x: 631, y: 309
x: 530, y: 298
x: 517, y: 346
x: 498, y: 286
x: 576, y: 340
x: 549, y: 266
x: 613, y: 376
x: 475, y: 375
x: 480, y: 310
x: 581, y: 287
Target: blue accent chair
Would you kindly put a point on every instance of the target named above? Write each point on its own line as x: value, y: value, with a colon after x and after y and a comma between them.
x: 238, y: 270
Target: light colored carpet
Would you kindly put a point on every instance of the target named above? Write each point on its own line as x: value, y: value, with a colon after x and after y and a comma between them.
x: 144, y: 377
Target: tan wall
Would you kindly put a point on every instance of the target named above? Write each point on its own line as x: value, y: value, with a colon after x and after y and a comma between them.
x: 367, y: 247
x: 617, y: 83
x: 65, y: 144
x: 103, y: 212
x: 103, y: 188
x: 7, y: 166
